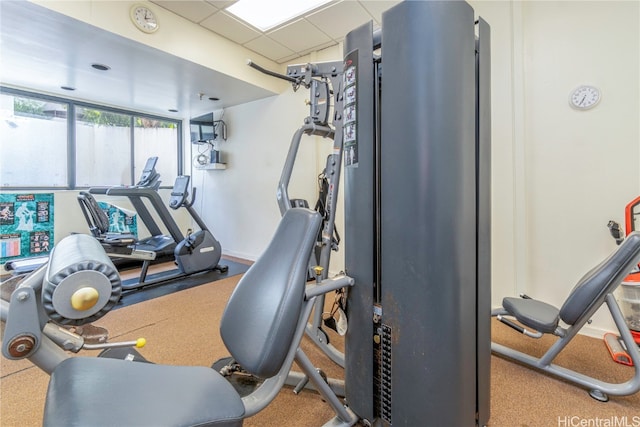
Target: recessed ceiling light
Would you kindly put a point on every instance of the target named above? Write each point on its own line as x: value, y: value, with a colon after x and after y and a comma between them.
x: 268, y: 14
x: 67, y: 88
x: 101, y: 67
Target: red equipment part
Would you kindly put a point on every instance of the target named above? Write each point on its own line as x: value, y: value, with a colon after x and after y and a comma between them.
x: 631, y: 211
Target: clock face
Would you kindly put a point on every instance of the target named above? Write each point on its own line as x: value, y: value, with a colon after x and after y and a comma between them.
x: 584, y: 97
x: 144, y: 18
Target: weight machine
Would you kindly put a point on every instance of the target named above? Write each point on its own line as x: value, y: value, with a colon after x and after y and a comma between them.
x: 417, y: 209
x: 324, y: 81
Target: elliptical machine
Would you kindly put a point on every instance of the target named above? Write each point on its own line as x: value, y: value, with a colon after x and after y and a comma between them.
x: 198, y: 251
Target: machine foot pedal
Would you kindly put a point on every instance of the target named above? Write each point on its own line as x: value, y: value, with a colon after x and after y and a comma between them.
x: 92, y: 334
x: 123, y: 353
x: 241, y: 380
x: 617, y: 349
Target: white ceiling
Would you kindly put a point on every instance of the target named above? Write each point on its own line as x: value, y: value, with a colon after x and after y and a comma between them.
x: 42, y: 50
x: 316, y: 30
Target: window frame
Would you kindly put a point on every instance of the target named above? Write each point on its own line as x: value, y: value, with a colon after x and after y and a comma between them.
x: 71, y: 135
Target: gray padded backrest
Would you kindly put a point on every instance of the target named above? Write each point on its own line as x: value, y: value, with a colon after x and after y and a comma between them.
x: 261, y: 316
x: 601, y: 280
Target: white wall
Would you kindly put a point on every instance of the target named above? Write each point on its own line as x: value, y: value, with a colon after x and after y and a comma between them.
x: 581, y: 167
x: 559, y: 175
x: 239, y: 203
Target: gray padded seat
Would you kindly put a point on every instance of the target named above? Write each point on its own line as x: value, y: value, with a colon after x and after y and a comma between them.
x: 139, y: 394
x: 590, y: 290
x: 258, y: 329
x: 535, y: 314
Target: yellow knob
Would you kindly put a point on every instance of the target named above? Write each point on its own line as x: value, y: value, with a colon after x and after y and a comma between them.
x: 141, y: 342
x: 84, y: 298
x: 318, y: 270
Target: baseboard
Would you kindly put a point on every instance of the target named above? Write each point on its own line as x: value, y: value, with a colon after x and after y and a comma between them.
x: 240, y: 255
x: 598, y: 333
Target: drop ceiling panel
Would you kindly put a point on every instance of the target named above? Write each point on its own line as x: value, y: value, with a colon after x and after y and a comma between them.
x: 299, y: 36
x: 193, y: 10
x: 317, y: 48
x: 269, y: 48
x: 221, y: 4
x: 337, y: 20
x: 229, y: 27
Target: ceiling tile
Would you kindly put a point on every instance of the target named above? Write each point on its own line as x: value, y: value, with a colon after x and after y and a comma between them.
x: 319, y: 47
x: 269, y: 48
x: 339, y: 18
x: 376, y: 7
x: 288, y: 59
x: 299, y: 36
x: 230, y: 28
x: 193, y: 10
x: 221, y: 4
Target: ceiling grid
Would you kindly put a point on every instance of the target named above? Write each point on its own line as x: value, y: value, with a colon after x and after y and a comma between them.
x: 315, y: 30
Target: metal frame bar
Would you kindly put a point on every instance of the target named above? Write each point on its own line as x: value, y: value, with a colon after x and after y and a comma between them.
x: 545, y: 364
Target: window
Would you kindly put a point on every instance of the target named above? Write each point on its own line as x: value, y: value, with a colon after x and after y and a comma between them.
x: 156, y: 138
x: 103, y: 148
x: 49, y: 142
x: 34, y: 142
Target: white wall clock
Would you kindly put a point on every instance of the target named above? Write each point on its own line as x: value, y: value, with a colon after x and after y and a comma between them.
x: 144, y: 18
x: 584, y: 97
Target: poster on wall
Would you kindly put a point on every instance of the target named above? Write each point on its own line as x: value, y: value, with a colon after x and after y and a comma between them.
x: 26, y: 225
x: 120, y: 220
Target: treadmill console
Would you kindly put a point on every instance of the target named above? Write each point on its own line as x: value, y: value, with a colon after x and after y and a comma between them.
x: 180, y: 192
x: 149, y: 175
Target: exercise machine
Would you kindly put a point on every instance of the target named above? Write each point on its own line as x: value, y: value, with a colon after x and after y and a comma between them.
x: 126, y: 245
x: 324, y: 82
x: 121, y: 245
x: 199, y: 250
x: 535, y: 318
x: 196, y: 252
x: 417, y: 175
x: 80, y: 284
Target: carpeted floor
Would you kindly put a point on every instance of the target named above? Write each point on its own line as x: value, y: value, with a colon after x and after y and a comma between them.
x: 182, y: 328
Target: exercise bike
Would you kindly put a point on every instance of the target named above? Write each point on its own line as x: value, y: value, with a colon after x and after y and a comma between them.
x: 198, y: 251
x: 193, y: 253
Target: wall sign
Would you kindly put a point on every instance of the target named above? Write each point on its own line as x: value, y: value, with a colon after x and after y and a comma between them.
x: 26, y: 225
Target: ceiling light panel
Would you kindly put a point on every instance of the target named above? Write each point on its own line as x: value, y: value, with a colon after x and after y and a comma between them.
x: 269, y: 14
